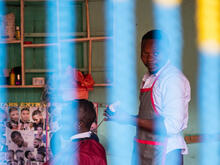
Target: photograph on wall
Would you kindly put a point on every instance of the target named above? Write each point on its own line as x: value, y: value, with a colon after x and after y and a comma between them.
x: 25, y: 135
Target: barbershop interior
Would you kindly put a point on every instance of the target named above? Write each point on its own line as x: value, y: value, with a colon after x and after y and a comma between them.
x: 59, y: 57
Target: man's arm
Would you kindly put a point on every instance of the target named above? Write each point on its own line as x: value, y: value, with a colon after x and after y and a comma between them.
x: 152, y: 125
x: 155, y: 125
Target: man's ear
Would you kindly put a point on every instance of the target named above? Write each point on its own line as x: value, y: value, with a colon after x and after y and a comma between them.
x: 80, y: 125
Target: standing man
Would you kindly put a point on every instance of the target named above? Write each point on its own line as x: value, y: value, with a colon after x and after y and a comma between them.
x: 163, y: 111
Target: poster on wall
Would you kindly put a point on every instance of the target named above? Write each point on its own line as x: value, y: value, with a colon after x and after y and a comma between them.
x: 24, y: 140
x: 27, y: 130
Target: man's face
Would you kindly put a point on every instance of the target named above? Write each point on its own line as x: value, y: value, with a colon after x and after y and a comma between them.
x: 18, y: 140
x: 25, y: 116
x: 30, y: 156
x: 37, y: 118
x: 151, y: 55
x: 36, y: 143
x: 39, y: 158
x: 14, y: 115
x: 10, y: 155
x: 20, y: 155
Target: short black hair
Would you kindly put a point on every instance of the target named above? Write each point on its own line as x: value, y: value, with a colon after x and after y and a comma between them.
x: 18, y: 151
x: 40, y: 127
x: 11, y: 109
x: 11, y: 151
x: 26, y: 153
x: 156, y: 34
x: 86, y: 112
x: 25, y: 109
x: 36, y: 112
x: 15, y: 133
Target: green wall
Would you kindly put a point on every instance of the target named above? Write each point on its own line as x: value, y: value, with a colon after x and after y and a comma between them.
x: 35, y: 21
x: 144, y: 22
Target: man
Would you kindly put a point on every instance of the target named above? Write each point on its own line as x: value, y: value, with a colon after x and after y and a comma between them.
x: 18, y: 139
x: 39, y: 145
x: 40, y: 134
x: 11, y: 158
x: 163, y: 111
x: 38, y: 119
x: 14, y: 117
x: 29, y: 156
x: 40, y: 157
x: 25, y: 123
x: 20, y: 157
x: 86, y: 150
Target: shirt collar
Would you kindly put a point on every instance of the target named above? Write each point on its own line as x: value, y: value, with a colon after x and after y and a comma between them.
x: 81, y: 135
x: 161, y: 69
x: 147, y: 75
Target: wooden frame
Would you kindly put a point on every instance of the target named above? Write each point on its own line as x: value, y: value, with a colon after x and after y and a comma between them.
x: 88, y: 39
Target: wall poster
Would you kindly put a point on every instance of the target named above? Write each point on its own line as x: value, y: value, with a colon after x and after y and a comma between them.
x: 23, y: 140
x: 25, y: 132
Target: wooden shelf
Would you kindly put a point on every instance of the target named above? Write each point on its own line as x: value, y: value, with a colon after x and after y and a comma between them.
x: 38, y: 45
x: 13, y: 41
x: 76, y: 34
x: 87, y: 39
x: 85, y: 36
x: 67, y: 40
x: 102, y: 85
x: 38, y: 70
x: 21, y: 86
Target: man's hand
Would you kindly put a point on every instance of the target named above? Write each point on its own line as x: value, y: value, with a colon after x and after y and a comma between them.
x: 121, y: 117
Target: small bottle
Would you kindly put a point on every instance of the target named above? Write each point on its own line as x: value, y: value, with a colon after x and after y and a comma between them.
x: 17, y: 33
x: 12, y: 77
x: 111, y: 109
x: 18, y: 79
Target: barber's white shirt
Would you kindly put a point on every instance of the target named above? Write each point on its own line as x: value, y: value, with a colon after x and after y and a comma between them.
x: 171, y: 94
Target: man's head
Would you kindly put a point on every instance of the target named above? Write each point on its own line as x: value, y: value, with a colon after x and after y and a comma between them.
x: 86, y: 115
x: 20, y: 155
x: 77, y: 115
x: 37, y: 116
x: 154, y: 50
x: 29, y: 155
x: 37, y: 142
x: 14, y: 114
x: 40, y: 156
x: 10, y: 155
x: 25, y: 114
x: 17, y: 138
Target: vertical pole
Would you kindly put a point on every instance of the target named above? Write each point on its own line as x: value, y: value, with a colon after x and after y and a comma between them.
x: 22, y: 42
x: 89, y: 35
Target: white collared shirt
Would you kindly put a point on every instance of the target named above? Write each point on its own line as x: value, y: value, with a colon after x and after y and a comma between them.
x: 81, y: 135
x: 171, y: 94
